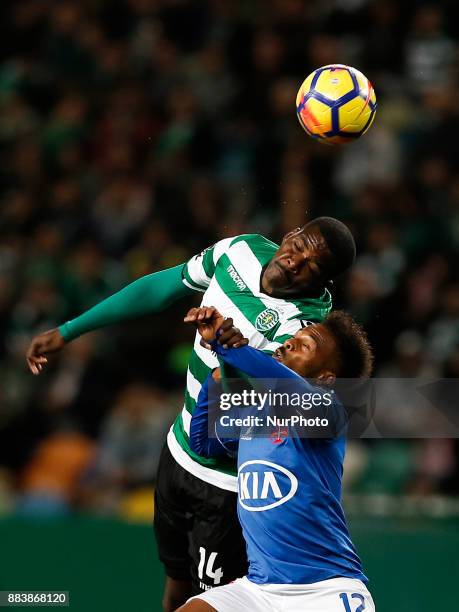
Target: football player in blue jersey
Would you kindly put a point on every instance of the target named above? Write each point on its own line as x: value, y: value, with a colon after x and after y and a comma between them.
x: 301, y: 557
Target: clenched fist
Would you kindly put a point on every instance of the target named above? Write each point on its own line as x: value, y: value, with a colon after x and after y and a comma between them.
x: 211, y: 324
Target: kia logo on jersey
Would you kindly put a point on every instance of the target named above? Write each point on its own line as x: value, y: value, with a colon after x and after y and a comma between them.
x: 263, y: 485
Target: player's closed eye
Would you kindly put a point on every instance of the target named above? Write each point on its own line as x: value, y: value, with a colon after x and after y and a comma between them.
x: 299, y: 245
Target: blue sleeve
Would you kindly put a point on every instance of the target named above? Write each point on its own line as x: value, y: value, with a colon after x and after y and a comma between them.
x: 255, y: 363
x: 200, y: 442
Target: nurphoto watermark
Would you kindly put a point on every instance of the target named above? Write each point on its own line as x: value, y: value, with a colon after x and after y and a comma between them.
x: 374, y: 408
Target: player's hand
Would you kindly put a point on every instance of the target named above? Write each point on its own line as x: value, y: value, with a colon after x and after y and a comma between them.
x: 41, y: 346
x: 211, y: 325
x: 207, y: 319
x: 230, y: 336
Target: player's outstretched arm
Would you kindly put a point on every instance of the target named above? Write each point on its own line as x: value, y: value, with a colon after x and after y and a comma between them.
x: 253, y: 362
x: 149, y: 294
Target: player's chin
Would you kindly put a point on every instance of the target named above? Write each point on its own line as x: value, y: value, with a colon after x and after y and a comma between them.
x: 279, y: 282
x: 290, y: 291
x: 287, y: 363
x: 272, y: 275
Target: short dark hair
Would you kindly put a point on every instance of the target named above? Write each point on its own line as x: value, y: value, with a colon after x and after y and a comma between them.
x: 340, y: 242
x: 355, y: 359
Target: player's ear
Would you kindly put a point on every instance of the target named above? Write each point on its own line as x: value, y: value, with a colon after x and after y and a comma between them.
x: 327, y: 378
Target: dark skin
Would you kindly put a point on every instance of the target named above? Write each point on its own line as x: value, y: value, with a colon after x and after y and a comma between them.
x: 208, y: 320
x: 300, y: 268
x: 311, y: 353
x: 196, y: 605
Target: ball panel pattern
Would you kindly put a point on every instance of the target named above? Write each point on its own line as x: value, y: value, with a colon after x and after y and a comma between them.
x: 336, y: 104
x: 334, y: 84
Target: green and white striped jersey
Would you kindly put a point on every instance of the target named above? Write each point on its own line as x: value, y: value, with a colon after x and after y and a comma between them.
x: 229, y: 274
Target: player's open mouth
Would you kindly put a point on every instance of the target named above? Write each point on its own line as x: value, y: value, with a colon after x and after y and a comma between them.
x: 277, y: 355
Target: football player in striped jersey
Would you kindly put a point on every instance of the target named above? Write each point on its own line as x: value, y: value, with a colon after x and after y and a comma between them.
x: 270, y: 292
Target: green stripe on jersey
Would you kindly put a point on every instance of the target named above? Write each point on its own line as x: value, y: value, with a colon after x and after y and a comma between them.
x: 189, y: 402
x: 208, y: 261
x: 197, y: 367
x: 231, y: 271
x: 262, y: 248
x: 248, y: 304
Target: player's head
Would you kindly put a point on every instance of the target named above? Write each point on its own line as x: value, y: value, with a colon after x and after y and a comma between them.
x: 308, y: 257
x: 336, y: 348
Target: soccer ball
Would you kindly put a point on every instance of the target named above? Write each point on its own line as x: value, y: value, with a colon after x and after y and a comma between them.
x: 336, y: 104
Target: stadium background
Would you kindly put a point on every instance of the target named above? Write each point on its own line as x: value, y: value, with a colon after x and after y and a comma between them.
x: 134, y: 133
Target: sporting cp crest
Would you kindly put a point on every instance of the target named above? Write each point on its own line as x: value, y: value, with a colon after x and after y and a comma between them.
x: 266, y: 320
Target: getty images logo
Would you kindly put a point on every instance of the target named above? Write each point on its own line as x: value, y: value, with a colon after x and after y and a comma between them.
x: 263, y: 485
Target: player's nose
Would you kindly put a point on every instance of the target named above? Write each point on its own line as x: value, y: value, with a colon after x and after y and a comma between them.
x: 289, y: 344
x: 293, y: 264
x: 297, y: 261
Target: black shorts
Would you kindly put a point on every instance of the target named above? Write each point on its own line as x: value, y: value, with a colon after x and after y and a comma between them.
x: 197, y: 530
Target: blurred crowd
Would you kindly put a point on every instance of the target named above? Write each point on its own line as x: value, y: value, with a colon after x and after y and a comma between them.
x: 136, y: 132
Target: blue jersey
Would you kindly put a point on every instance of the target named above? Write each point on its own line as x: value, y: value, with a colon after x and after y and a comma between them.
x: 289, y: 488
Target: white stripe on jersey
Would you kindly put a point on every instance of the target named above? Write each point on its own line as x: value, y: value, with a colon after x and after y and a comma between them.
x: 193, y: 385
x: 195, y: 267
x: 204, y: 354
x: 290, y: 328
x: 214, y: 296
x: 247, y: 266
x: 186, y: 420
x: 272, y: 346
x: 212, y: 476
x: 185, y: 282
x: 196, y: 271
x: 220, y: 248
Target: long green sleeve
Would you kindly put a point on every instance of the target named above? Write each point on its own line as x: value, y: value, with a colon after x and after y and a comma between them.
x: 151, y: 293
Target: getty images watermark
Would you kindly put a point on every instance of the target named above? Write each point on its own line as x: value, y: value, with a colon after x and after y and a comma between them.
x: 376, y: 408
x: 250, y: 401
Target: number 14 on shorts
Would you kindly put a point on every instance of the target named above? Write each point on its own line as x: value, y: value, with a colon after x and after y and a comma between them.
x: 216, y: 574
x: 358, y: 599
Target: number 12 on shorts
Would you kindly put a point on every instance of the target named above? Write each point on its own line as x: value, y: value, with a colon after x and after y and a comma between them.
x: 347, y: 606
x: 217, y: 574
